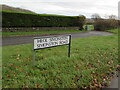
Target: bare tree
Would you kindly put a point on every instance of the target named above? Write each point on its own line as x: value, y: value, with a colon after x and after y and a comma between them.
x: 96, y: 16
x: 112, y: 17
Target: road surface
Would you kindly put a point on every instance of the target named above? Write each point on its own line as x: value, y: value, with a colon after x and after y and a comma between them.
x: 16, y: 40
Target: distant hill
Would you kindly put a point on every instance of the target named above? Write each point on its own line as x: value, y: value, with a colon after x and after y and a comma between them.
x: 10, y: 8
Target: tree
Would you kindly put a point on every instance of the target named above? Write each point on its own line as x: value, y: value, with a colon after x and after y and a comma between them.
x: 81, y: 21
x: 112, y: 17
x: 95, y: 16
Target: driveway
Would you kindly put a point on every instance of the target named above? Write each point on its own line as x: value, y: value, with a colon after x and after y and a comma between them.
x: 16, y: 40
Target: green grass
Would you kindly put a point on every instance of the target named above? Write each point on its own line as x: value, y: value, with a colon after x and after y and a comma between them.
x: 36, y: 33
x: 92, y: 62
x: 89, y: 27
x: 115, y: 31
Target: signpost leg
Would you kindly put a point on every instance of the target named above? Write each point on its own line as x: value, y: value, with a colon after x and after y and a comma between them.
x: 69, y: 51
x: 69, y: 46
x: 33, y: 61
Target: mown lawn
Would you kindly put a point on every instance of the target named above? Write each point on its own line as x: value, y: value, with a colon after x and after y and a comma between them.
x: 93, y: 61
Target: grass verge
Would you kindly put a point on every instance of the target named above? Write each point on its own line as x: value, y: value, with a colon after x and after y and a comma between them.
x: 7, y: 34
x: 115, y: 31
x: 93, y: 61
x: 37, y: 33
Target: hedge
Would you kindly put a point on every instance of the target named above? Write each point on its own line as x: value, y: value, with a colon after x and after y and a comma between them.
x: 105, y: 24
x: 15, y: 19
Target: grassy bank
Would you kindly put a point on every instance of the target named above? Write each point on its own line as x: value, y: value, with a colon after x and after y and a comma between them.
x: 37, y: 33
x: 114, y: 31
x: 93, y: 60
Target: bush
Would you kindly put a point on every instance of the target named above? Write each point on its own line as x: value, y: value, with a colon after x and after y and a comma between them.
x: 105, y: 24
x: 14, y: 19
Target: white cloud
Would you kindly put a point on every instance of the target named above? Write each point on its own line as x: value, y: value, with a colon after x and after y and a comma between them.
x: 68, y: 7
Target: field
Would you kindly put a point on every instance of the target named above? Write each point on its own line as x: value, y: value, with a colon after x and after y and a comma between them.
x: 89, y: 27
x: 93, y: 61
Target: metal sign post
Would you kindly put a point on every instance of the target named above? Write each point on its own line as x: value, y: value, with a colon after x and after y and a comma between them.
x: 33, y: 55
x: 50, y: 41
x: 69, y: 46
x: 33, y: 61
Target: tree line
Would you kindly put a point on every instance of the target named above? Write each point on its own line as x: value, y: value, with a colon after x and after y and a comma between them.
x: 100, y: 24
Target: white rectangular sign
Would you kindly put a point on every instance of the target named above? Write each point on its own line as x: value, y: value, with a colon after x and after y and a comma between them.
x: 45, y: 42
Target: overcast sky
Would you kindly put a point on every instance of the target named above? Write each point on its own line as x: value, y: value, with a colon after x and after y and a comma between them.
x: 68, y: 7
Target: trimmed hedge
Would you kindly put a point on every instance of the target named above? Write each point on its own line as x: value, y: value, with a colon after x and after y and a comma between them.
x: 14, y: 19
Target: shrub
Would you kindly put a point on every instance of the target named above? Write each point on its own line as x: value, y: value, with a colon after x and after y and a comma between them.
x: 105, y: 24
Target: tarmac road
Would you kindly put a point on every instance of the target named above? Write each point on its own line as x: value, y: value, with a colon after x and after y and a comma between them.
x: 115, y: 82
x: 16, y: 40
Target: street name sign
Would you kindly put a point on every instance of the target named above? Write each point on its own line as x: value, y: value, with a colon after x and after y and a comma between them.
x: 46, y: 42
x: 51, y: 41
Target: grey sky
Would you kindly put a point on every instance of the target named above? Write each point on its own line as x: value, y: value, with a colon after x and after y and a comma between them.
x: 68, y: 7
